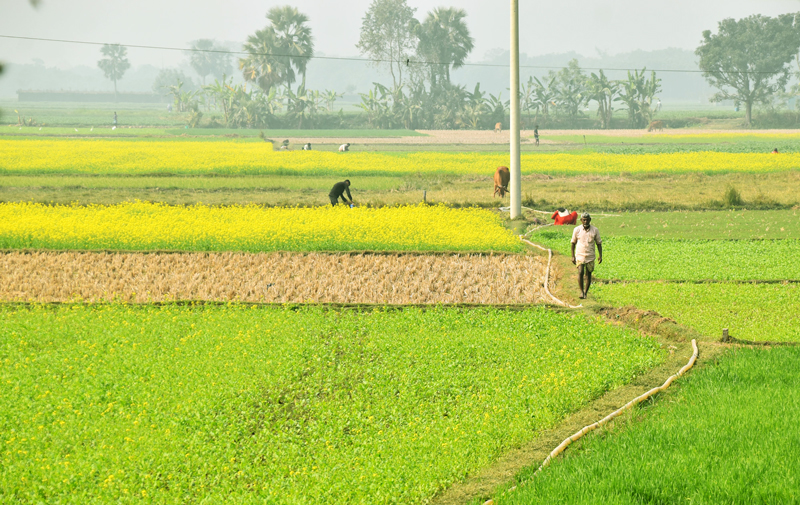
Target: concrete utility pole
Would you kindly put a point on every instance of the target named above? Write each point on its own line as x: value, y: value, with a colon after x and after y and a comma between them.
x: 514, y: 165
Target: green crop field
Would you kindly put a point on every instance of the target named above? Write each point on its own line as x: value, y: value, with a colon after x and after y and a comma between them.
x: 630, y: 258
x: 136, y: 404
x: 727, y: 436
x: 750, y: 311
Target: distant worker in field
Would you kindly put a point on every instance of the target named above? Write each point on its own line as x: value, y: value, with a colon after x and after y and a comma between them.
x: 536, y: 134
x: 584, y: 238
x: 344, y: 147
x: 775, y: 151
x: 338, y: 190
x: 307, y: 146
x: 498, y: 127
x: 563, y: 216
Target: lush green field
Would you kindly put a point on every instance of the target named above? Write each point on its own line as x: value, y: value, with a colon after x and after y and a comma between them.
x: 633, y: 258
x: 768, y: 312
x: 140, y: 226
x: 727, y: 436
x: 143, y: 404
x: 729, y: 224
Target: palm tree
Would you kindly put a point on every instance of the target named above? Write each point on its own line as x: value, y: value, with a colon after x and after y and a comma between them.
x: 208, y: 58
x: 262, y: 66
x: 603, y: 92
x: 444, y: 41
x: 294, y: 41
x: 115, y: 63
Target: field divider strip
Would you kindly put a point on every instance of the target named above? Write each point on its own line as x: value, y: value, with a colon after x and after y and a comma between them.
x: 586, y: 429
x: 547, y: 275
x: 701, y: 281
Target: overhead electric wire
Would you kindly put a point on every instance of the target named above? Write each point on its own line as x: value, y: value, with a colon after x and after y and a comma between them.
x: 407, y: 61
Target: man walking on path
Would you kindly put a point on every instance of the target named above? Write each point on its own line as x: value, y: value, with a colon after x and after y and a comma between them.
x: 584, y: 238
x: 338, y: 190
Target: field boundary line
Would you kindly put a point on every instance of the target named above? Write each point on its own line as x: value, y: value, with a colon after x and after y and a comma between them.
x: 547, y: 275
x: 290, y: 306
x: 586, y: 429
x: 364, y: 252
x: 703, y: 281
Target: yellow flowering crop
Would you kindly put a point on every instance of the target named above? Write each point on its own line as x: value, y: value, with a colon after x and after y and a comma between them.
x: 240, y: 158
x: 145, y: 227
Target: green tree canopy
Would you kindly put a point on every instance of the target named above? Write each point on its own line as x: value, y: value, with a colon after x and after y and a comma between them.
x: 278, y: 50
x: 444, y: 41
x: 262, y: 65
x: 294, y: 39
x: 388, y: 35
x: 115, y: 62
x: 747, y: 60
x: 206, y: 59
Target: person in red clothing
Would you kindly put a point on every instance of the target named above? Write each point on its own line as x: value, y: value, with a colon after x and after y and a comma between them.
x: 563, y: 216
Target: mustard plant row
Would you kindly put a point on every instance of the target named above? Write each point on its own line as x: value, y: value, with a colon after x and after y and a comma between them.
x: 233, y: 158
x: 139, y: 226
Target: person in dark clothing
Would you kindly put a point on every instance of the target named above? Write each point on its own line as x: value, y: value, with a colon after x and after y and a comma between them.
x: 339, y: 190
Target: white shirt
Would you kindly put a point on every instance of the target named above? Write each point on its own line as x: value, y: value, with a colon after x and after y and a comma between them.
x: 584, y: 241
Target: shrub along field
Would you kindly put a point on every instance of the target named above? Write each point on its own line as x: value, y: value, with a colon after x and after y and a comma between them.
x: 727, y: 435
x: 136, y: 404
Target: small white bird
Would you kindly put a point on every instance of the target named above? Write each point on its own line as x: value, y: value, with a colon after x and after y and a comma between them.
x: 40, y: 128
x: 113, y: 127
x: 92, y: 129
x: 76, y: 129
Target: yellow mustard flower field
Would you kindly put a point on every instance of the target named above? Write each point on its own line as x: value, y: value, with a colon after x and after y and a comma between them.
x: 140, y: 226
x: 124, y: 157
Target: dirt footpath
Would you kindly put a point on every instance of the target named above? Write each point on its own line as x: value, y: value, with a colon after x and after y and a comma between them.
x: 504, y: 137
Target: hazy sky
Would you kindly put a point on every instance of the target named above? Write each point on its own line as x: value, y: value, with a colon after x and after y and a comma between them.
x: 552, y: 26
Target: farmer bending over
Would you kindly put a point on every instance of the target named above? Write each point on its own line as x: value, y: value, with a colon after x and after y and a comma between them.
x: 584, y: 238
x: 338, y: 190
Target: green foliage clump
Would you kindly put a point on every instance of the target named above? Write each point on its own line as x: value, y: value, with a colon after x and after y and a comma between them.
x: 144, y: 404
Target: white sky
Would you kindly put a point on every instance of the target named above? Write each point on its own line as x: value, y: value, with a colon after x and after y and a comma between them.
x: 583, y: 26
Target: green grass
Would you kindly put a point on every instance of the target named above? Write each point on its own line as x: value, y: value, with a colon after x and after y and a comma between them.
x: 728, y: 224
x: 762, y: 312
x: 633, y: 258
x: 728, y: 435
x: 237, y: 404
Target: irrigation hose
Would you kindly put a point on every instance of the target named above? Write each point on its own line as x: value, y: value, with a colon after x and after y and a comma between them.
x: 547, y: 275
x: 586, y: 429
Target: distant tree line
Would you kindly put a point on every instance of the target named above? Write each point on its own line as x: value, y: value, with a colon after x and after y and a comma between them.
x: 747, y: 60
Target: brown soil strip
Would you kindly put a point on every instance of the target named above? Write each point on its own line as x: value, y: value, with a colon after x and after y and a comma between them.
x: 272, y: 277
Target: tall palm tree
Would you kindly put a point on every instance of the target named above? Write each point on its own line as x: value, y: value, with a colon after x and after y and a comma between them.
x: 262, y: 66
x: 444, y: 41
x: 294, y: 38
x: 115, y: 63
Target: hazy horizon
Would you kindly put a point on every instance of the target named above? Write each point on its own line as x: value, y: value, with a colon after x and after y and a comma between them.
x: 585, y: 26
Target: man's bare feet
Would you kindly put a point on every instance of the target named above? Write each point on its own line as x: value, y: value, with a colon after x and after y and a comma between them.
x: 582, y: 297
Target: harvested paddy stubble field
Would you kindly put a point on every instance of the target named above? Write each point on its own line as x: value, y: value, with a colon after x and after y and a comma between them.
x: 272, y: 277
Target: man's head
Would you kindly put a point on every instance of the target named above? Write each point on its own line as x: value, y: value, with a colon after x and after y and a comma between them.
x: 586, y: 219
x: 347, y: 181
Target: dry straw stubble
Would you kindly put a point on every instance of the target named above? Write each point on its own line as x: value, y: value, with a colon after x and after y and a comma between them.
x: 272, y: 277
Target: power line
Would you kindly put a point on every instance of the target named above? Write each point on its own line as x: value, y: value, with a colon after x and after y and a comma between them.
x: 407, y: 61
